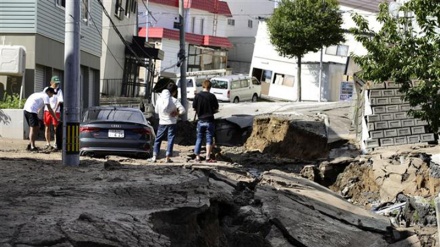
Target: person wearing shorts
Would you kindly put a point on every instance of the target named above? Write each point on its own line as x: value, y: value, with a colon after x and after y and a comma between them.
x: 56, y: 102
x: 34, y: 103
x: 205, y: 105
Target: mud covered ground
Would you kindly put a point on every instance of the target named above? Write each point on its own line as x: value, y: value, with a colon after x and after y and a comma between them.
x: 247, y: 198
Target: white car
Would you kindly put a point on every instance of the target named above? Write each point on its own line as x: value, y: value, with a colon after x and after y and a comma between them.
x: 193, y: 86
x: 236, y: 88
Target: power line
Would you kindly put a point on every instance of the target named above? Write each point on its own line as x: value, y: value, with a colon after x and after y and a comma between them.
x: 100, y: 33
x: 120, y: 35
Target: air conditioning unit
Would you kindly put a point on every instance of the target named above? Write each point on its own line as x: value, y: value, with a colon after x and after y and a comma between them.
x: 12, y: 60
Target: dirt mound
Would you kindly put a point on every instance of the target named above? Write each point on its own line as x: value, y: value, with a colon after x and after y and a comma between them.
x: 289, y: 137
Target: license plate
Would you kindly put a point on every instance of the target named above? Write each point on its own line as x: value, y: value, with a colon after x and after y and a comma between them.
x: 116, y: 133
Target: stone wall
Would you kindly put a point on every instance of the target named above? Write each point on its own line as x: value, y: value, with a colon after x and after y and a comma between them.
x: 386, y: 121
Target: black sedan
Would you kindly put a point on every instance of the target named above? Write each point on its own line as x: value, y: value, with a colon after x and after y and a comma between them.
x: 107, y: 130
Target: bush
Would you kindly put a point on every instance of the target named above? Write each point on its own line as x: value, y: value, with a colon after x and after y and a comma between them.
x: 12, y: 102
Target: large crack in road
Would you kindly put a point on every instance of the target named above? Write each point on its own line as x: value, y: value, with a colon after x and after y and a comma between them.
x: 112, y: 203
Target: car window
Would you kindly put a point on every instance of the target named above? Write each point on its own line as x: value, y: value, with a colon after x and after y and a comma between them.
x: 114, y: 115
x: 199, y: 82
x: 189, y: 83
x: 255, y: 81
x: 235, y: 84
x: 219, y: 84
x: 244, y: 83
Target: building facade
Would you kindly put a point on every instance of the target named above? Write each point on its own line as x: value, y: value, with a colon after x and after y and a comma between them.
x: 241, y: 29
x: 326, y: 83
x: 206, y: 43
x: 39, y: 26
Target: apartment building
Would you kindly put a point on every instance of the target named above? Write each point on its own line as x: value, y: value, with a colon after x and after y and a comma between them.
x: 206, y: 43
x: 278, y: 74
x: 39, y: 26
x: 242, y: 29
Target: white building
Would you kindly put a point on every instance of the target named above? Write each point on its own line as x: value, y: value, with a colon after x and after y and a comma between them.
x: 278, y: 74
x: 205, y: 30
x: 242, y: 29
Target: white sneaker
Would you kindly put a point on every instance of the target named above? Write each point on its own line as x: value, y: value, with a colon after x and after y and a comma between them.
x: 152, y: 159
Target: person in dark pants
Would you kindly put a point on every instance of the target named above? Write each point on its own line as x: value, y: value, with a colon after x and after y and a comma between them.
x: 205, y: 105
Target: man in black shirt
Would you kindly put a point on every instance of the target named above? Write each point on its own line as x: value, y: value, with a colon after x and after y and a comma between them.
x: 205, y: 105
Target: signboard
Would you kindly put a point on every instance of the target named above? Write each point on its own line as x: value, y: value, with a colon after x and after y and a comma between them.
x: 346, y: 91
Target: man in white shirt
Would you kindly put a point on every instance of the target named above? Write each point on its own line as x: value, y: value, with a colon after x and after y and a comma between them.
x: 33, y: 105
x: 56, y: 102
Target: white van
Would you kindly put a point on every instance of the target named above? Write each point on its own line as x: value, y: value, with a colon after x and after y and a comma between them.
x: 193, y: 86
x: 236, y: 88
x: 195, y: 79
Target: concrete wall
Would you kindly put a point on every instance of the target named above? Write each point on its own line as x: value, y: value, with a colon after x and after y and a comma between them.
x: 13, y: 124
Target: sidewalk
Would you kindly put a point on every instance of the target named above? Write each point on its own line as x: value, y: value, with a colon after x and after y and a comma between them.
x: 7, y: 144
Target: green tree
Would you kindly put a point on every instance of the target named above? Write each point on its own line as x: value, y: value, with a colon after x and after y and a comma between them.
x: 405, y: 54
x: 298, y: 27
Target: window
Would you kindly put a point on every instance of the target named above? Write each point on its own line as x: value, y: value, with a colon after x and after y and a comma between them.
x: 284, y: 80
x: 130, y: 7
x: 202, y: 25
x: 255, y: 81
x: 235, y: 84
x: 250, y: 23
x: 61, y: 3
x: 119, y: 11
x: 134, y: 7
x: 244, y: 83
x: 219, y: 84
x: 193, y: 24
x: 231, y: 22
x: 267, y: 76
x: 85, y: 11
x: 337, y: 50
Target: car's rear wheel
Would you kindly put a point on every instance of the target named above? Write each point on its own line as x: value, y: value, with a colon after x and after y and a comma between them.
x: 236, y: 100
x: 254, y: 97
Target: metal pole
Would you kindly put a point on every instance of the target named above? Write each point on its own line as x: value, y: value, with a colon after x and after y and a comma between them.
x: 320, y: 75
x: 437, y: 212
x: 182, y: 57
x: 71, y: 113
x: 146, y: 23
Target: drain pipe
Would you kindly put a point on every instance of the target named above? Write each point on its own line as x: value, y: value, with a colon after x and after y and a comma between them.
x: 437, y: 212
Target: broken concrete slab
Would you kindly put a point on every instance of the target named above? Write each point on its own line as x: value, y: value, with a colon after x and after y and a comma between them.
x: 301, y: 208
x: 308, y: 192
x: 289, y: 137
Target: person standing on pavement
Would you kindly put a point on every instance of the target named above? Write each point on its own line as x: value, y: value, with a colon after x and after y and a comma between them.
x: 35, y: 103
x: 205, y: 105
x: 169, y: 109
x: 56, y: 102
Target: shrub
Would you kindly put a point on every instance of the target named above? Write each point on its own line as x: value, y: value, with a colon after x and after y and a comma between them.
x: 12, y: 102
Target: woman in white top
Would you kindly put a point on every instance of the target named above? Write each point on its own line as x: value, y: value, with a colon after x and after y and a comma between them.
x: 169, y: 108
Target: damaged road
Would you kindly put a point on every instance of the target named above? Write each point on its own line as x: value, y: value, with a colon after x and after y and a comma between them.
x: 124, y: 202
x: 253, y: 196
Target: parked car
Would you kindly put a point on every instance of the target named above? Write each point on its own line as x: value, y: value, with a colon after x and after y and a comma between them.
x: 193, y: 86
x: 108, y: 130
x: 236, y: 88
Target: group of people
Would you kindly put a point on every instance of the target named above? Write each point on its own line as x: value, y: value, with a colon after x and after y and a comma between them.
x: 47, y: 103
x: 169, y: 108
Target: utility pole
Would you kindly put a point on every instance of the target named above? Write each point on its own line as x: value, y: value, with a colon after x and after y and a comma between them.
x: 320, y: 75
x: 71, y: 113
x: 182, y: 58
